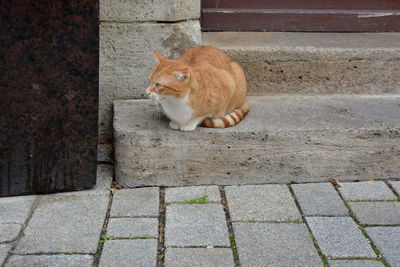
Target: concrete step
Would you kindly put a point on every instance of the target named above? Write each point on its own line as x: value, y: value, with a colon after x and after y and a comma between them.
x: 314, y: 63
x: 283, y: 139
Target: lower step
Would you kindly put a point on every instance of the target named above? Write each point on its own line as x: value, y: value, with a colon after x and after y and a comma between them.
x: 283, y: 139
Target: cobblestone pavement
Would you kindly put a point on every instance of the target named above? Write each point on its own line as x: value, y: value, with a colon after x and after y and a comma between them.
x: 315, y: 224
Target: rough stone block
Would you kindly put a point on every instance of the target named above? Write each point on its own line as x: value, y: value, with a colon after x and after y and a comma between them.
x: 196, y: 225
x: 66, y: 222
x: 355, y: 263
x: 366, y: 191
x: 262, y: 203
x: 133, y: 227
x: 314, y: 63
x: 9, y: 231
x: 126, y: 59
x: 376, y: 213
x: 319, y: 199
x: 15, y: 209
x: 387, y: 241
x: 51, y: 260
x: 135, y: 202
x: 198, y: 257
x: 279, y: 244
x: 179, y: 194
x: 149, y: 10
x: 105, y: 176
x: 128, y: 253
x: 282, y: 139
x: 4, y: 249
x: 339, y: 237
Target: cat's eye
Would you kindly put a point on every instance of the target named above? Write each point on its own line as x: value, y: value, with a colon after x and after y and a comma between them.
x: 158, y: 86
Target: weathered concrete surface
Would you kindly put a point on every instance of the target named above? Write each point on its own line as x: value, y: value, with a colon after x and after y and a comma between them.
x: 126, y: 60
x: 179, y: 194
x: 261, y: 203
x: 65, y: 223
x: 149, y: 10
x: 15, y: 209
x: 129, y: 253
x: 282, y: 139
x: 376, y: 213
x: 319, y: 199
x: 198, y: 257
x: 339, y: 237
x: 51, y: 260
x: 387, y: 241
x: 275, y: 244
x: 314, y: 63
x: 195, y: 225
x: 366, y: 191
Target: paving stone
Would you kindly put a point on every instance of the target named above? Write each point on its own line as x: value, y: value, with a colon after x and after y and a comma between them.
x: 178, y: 194
x: 396, y: 186
x: 387, y: 241
x: 319, y: 199
x: 4, y: 249
x: 196, y: 225
x: 66, y: 223
x: 135, y: 202
x: 275, y: 244
x: 105, y: 174
x: 366, y: 191
x: 267, y: 203
x: 141, y: 252
x: 50, y: 260
x: 198, y: 257
x: 376, y: 213
x: 339, y: 237
x: 9, y: 231
x: 15, y: 209
x: 132, y: 227
x: 355, y: 263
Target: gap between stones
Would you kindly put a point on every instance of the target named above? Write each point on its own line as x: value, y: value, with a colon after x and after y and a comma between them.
x: 322, y: 256
x: 35, y: 204
x: 161, y: 228
x: 100, y: 245
x: 379, y: 257
x: 232, y: 240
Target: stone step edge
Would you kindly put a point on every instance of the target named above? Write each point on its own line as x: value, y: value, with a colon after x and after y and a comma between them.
x: 295, y: 46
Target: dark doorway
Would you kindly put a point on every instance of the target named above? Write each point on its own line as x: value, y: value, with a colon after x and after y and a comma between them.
x: 48, y: 95
x: 301, y: 15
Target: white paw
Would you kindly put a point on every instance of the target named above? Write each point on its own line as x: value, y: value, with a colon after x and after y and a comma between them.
x: 174, y: 125
x: 188, y: 127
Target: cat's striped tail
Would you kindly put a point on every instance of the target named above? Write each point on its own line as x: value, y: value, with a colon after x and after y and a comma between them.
x: 228, y: 120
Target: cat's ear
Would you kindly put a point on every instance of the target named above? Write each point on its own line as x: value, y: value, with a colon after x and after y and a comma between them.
x: 182, y: 75
x: 159, y: 58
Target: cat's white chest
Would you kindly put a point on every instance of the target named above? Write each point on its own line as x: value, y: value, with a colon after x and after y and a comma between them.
x: 177, y: 109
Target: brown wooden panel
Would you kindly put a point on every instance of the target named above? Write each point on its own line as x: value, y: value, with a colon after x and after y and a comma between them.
x: 301, y: 15
x: 48, y: 95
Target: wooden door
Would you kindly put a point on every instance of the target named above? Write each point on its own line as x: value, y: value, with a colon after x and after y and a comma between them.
x: 301, y: 15
x: 48, y: 95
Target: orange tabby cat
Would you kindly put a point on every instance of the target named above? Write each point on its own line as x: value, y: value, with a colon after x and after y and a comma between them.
x: 202, y: 86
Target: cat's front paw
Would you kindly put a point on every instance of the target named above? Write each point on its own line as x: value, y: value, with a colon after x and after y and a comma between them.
x: 188, y: 127
x: 174, y: 125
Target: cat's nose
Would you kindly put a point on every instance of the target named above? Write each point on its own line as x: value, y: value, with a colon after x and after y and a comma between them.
x: 148, y: 90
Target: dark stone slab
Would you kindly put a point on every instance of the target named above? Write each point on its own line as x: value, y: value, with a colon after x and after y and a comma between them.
x: 48, y: 95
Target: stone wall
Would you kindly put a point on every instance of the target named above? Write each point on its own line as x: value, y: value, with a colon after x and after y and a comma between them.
x: 129, y: 31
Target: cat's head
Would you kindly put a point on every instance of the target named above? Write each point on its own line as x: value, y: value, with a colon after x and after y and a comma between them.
x: 169, y: 78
